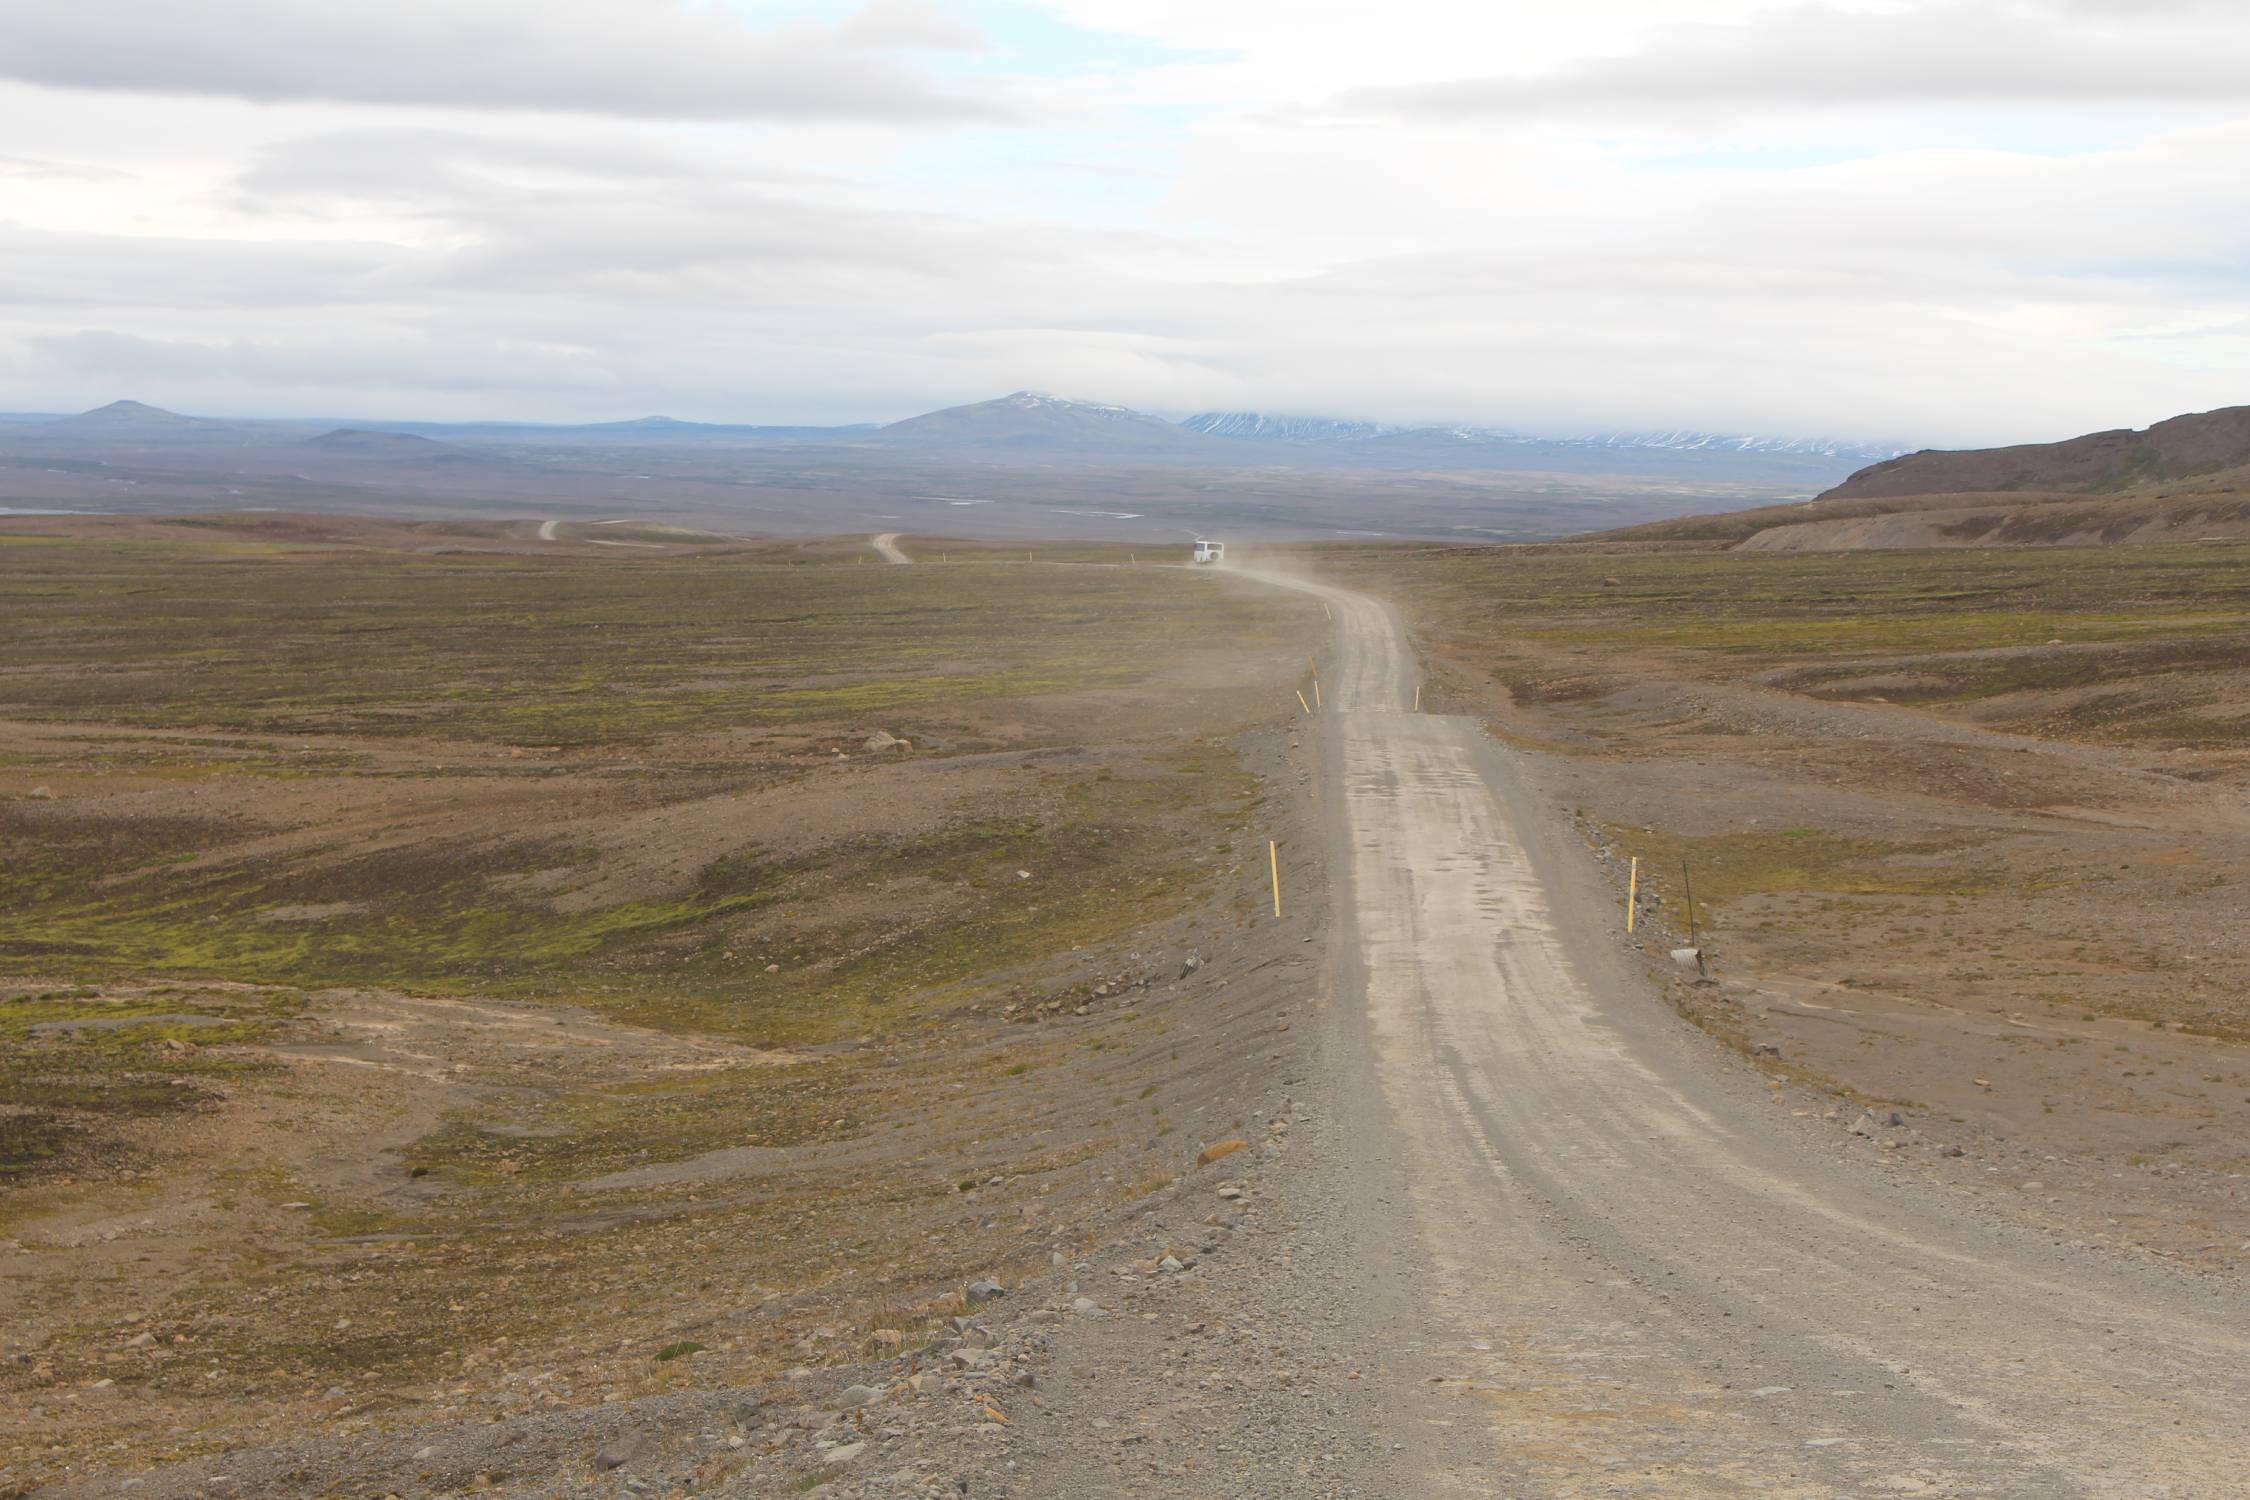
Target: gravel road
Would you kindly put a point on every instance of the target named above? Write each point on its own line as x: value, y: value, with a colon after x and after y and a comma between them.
x: 1634, y: 1274
x: 887, y: 548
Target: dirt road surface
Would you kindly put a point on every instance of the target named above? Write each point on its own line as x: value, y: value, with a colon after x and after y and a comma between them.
x: 886, y: 547
x: 1639, y: 1277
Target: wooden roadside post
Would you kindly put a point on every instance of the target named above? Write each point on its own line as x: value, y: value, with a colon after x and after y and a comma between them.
x: 1417, y: 697
x: 1316, y: 692
x: 1632, y: 892
x: 1273, y: 861
x: 1301, y: 703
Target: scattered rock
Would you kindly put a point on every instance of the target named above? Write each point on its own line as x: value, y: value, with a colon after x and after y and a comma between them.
x: 981, y: 1292
x: 621, y: 1450
x: 843, y: 1453
x: 881, y: 740
x: 859, y: 1395
x: 41, y: 794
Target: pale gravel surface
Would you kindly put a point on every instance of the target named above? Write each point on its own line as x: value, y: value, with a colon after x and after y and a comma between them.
x: 1641, y: 1276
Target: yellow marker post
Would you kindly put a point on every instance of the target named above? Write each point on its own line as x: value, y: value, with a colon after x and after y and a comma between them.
x: 1417, y: 697
x: 1316, y: 692
x: 1273, y: 858
x: 1632, y: 892
x: 1301, y: 703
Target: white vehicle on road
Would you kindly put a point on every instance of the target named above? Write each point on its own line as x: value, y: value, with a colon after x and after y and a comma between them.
x: 1209, y: 552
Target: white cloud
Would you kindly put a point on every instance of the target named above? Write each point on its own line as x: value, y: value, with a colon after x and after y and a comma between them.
x: 1821, y: 57
x: 1979, y: 269
x: 651, y: 59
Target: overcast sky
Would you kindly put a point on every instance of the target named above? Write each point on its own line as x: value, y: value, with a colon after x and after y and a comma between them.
x: 1985, y: 220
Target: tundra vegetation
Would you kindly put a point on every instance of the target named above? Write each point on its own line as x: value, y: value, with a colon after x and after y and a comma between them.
x: 465, y: 981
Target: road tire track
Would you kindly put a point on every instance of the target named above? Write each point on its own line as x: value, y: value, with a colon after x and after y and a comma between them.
x: 1634, y: 1277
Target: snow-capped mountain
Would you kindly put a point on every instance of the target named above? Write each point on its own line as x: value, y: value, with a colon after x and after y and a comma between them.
x: 1271, y: 428
x: 1861, y: 452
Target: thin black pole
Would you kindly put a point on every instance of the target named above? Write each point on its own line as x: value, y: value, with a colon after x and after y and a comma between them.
x: 1693, y: 940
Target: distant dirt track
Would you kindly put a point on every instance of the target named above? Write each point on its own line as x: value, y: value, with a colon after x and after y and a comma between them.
x: 887, y: 547
x: 1654, y: 1282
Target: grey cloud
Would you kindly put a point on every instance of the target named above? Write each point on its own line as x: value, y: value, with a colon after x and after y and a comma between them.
x: 54, y: 269
x: 910, y: 26
x: 607, y: 57
x: 41, y: 167
x: 1818, y: 57
x: 540, y: 281
x: 360, y: 362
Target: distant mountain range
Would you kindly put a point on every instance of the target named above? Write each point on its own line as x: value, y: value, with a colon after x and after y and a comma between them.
x: 1073, y: 467
x: 1266, y: 427
x: 1030, y: 422
x: 355, y: 444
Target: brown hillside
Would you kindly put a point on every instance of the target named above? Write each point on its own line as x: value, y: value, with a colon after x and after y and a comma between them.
x: 2093, y: 464
x: 2187, y: 479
